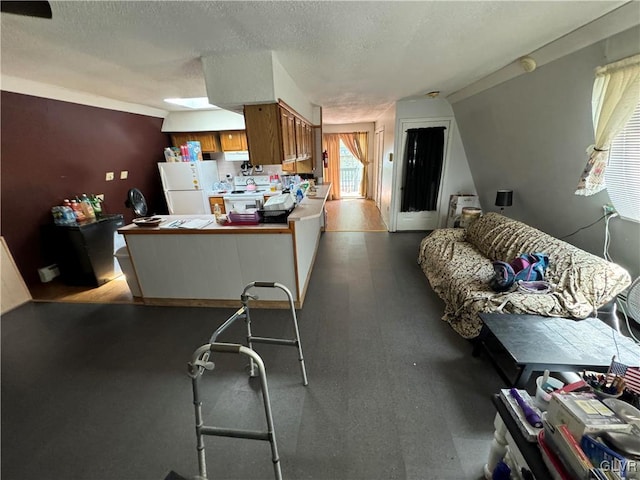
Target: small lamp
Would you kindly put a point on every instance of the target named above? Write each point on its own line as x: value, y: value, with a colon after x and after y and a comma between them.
x: 504, y: 198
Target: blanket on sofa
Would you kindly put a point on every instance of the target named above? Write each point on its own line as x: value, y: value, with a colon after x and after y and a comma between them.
x: 457, y: 263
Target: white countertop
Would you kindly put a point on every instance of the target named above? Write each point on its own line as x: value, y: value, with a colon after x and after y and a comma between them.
x: 309, y: 207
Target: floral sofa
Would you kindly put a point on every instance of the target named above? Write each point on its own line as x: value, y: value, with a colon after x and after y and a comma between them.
x: 457, y: 263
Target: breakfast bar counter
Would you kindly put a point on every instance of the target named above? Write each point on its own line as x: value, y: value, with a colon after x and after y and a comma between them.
x: 209, y: 264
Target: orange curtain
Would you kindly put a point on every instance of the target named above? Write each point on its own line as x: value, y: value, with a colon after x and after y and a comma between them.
x: 331, y: 144
x: 357, y: 143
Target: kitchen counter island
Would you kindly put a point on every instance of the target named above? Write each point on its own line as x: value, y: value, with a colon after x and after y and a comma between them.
x: 209, y: 266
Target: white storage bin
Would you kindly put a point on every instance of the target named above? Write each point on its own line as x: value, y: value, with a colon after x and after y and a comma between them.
x: 122, y: 254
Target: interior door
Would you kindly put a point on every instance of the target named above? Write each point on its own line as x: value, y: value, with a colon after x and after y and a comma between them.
x: 424, y: 219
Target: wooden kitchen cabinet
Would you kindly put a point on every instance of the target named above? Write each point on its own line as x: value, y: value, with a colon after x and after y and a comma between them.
x: 306, y: 142
x: 277, y: 135
x: 288, y: 123
x: 208, y: 140
x: 233, y: 140
x: 264, y: 133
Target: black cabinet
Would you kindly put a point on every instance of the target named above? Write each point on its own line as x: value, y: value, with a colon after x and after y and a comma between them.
x: 84, y: 251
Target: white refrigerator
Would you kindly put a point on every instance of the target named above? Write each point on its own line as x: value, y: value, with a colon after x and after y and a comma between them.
x: 186, y: 184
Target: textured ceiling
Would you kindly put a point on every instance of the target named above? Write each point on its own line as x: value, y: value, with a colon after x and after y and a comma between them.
x: 354, y: 59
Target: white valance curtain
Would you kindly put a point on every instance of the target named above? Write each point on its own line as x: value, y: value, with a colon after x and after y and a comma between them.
x: 616, y: 92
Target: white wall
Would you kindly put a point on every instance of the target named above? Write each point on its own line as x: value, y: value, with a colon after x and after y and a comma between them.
x: 387, y: 121
x: 530, y: 134
x: 234, y: 80
x: 457, y: 174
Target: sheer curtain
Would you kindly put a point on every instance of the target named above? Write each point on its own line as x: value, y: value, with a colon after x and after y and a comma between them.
x: 357, y: 143
x: 331, y: 144
x: 616, y: 92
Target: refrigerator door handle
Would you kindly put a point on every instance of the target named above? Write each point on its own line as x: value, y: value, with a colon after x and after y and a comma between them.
x: 169, y: 203
x: 163, y: 177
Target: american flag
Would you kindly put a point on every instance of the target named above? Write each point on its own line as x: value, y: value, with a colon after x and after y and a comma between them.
x: 617, y: 368
x: 631, y: 375
x: 632, y: 379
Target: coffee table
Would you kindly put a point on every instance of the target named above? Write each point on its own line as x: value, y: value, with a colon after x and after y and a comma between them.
x: 535, y: 344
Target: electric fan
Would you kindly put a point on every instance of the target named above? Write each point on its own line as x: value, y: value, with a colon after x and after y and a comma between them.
x: 136, y: 202
x: 631, y: 300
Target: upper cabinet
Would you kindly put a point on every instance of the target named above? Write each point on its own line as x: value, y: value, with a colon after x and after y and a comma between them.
x: 288, y: 124
x: 233, y: 140
x: 277, y: 135
x: 208, y: 140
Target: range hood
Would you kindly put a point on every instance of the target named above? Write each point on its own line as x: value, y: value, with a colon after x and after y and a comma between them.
x: 240, y: 156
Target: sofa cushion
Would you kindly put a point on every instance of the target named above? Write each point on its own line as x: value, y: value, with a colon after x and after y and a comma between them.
x: 586, y: 281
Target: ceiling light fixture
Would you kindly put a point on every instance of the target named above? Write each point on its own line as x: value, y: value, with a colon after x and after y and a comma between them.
x: 528, y: 64
x: 433, y: 94
x: 195, y: 103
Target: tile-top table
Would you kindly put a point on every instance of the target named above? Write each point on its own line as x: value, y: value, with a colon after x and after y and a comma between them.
x: 537, y: 343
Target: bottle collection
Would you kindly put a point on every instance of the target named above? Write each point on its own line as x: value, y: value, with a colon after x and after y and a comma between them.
x: 82, y: 208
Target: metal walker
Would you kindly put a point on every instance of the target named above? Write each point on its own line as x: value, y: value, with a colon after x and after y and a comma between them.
x: 200, y: 362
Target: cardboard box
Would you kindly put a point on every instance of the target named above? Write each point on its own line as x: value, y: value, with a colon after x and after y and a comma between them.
x: 457, y: 203
x: 583, y: 413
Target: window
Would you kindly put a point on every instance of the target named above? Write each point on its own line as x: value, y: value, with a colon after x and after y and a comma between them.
x: 622, y: 175
x: 350, y: 173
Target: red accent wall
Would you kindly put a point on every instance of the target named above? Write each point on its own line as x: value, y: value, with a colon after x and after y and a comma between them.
x: 52, y: 150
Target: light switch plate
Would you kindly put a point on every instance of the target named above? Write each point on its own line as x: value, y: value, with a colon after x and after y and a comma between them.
x: 109, y: 176
x: 124, y: 174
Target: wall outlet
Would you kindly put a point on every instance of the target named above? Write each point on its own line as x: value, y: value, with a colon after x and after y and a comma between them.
x: 109, y: 176
x: 609, y: 209
x: 124, y: 174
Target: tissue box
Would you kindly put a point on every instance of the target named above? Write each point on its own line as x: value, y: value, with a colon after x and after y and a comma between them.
x: 195, y: 151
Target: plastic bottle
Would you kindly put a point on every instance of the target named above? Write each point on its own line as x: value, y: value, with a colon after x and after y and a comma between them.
x: 69, y: 218
x: 87, y: 208
x: 77, y: 211
x: 97, y: 205
x: 58, y: 217
x: 299, y: 195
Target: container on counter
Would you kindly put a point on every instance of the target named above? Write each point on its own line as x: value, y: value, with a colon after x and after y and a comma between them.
x: 87, y: 207
x: 77, y: 209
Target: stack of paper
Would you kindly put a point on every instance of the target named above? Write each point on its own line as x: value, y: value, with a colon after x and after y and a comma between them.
x: 195, y: 223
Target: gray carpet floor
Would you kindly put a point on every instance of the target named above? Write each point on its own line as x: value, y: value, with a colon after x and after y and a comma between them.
x: 100, y: 392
